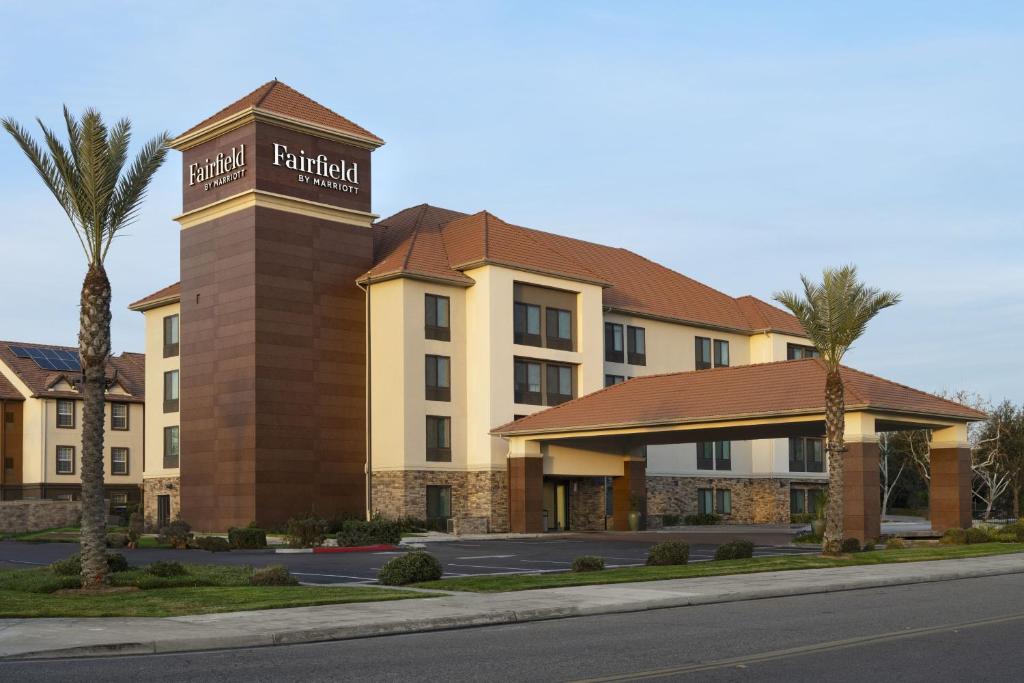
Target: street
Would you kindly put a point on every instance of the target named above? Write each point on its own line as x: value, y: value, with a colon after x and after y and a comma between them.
x: 966, y: 629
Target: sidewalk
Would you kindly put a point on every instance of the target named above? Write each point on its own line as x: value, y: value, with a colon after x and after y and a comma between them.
x: 40, y: 638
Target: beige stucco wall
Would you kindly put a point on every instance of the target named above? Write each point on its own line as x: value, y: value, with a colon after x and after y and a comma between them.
x: 156, y: 366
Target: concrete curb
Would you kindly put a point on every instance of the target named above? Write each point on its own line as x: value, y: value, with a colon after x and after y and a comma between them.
x: 485, y: 617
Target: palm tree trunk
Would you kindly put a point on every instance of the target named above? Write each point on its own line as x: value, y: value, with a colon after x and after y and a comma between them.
x: 835, y: 426
x: 94, y: 348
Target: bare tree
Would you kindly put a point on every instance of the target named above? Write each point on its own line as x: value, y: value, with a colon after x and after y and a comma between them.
x: 892, y: 463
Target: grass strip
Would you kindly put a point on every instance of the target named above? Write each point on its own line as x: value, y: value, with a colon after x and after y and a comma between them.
x: 520, y: 582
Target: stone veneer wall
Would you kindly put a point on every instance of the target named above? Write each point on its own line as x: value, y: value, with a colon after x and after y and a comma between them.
x: 21, y: 516
x: 479, y: 498
x: 161, y: 486
x: 587, y: 504
x: 754, y: 501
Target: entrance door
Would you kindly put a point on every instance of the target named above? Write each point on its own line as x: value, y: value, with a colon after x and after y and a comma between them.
x: 163, y: 511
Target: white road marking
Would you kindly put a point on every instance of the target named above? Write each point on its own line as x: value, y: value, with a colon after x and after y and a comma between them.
x: 484, y: 557
x: 336, y: 576
x: 544, y: 561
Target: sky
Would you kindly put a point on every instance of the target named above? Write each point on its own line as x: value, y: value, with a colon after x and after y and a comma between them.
x: 741, y: 144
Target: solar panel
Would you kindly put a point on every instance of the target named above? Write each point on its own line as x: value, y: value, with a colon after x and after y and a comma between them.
x: 18, y: 351
x: 50, y: 359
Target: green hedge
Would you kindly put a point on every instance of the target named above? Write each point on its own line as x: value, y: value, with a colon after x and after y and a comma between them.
x: 413, y: 567
x: 378, y: 531
x: 702, y: 519
x: 587, y: 563
x: 72, y: 566
x: 249, y: 538
x: 735, y: 550
x: 668, y: 553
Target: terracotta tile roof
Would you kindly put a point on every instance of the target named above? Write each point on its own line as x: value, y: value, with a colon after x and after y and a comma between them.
x: 428, y: 241
x: 7, y: 390
x: 274, y: 96
x: 130, y: 369
x: 167, y: 295
x: 783, y: 387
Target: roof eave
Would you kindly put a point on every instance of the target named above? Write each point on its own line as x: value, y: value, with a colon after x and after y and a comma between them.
x: 479, y: 263
x: 148, y: 304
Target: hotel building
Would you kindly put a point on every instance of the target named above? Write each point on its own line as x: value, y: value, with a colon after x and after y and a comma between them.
x: 331, y: 361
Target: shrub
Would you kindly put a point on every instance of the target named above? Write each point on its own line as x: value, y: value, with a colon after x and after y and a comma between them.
x: 136, y: 525
x: 850, y: 545
x: 306, y: 532
x: 1016, y: 530
x: 164, y: 568
x: 895, y: 544
x: 809, y: 537
x: 409, y: 525
x: 735, y: 550
x: 702, y: 519
x: 412, y: 567
x: 72, y: 566
x: 671, y: 520
x: 587, y: 563
x: 954, y: 537
x: 1004, y: 536
x: 176, y: 534
x: 274, y: 575
x: 248, y: 538
x: 977, y: 535
x: 214, y: 544
x: 669, y: 552
x: 377, y: 531
x: 117, y: 540
x: 868, y: 547
x: 801, y: 518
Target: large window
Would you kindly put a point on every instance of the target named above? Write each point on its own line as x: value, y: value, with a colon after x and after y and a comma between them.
x: 65, y: 459
x: 437, y: 320
x: 172, y: 335
x: 65, y: 413
x: 438, y: 378
x: 526, y: 321
x: 528, y: 379
x: 559, y: 329
x: 119, y: 416
x: 703, y: 353
x: 439, y: 505
x: 721, y: 353
x: 636, y: 339
x: 714, y: 501
x: 798, y: 351
x: 804, y: 501
x: 119, y: 461
x: 171, y: 391
x: 714, y: 455
x: 439, y: 438
x: 559, y: 384
x: 614, y: 348
x: 171, y: 447
x: 806, y: 455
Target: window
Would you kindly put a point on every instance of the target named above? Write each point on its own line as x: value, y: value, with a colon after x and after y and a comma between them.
x: 163, y: 511
x: 171, y: 391
x: 611, y: 380
x: 559, y: 384
x: 118, y: 502
x: 527, y: 378
x: 439, y: 438
x: 637, y: 338
x: 65, y: 413
x: 65, y: 459
x: 437, y: 320
x: 527, y: 324
x: 714, y: 501
x: 119, y: 416
x: 803, y: 501
x: 806, y: 455
x: 721, y: 353
x: 559, y: 329
x: 703, y: 349
x: 798, y: 351
x: 439, y: 503
x: 613, y: 346
x: 171, y: 336
x: 171, y: 447
x: 119, y: 461
x: 714, y: 455
x: 439, y: 378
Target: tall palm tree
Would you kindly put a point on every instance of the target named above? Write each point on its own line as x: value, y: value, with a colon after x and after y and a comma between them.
x: 100, y: 195
x: 834, y: 314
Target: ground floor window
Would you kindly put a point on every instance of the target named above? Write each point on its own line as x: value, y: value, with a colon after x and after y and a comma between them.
x: 118, y: 503
x: 163, y: 511
x: 439, y: 505
x: 714, y: 501
x: 804, y: 501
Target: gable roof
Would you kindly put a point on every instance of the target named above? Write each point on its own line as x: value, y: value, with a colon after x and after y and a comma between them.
x: 781, y: 388
x: 129, y: 368
x: 279, y: 98
x: 168, y: 295
x: 439, y: 244
x: 8, y: 392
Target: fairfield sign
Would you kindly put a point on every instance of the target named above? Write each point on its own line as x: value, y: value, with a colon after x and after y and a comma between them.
x: 319, y: 171
x: 219, y: 170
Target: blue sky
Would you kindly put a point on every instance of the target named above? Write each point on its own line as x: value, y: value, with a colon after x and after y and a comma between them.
x: 739, y: 143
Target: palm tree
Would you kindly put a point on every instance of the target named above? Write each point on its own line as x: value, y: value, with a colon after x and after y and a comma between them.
x: 834, y: 314
x: 100, y: 196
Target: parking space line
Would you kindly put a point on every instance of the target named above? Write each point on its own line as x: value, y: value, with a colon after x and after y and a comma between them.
x: 484, y: 557
x: 336, y: 576
x: 484, y: 566
x: 546, y: 561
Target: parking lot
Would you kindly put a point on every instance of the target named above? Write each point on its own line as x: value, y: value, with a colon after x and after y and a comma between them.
x: 459, y: 558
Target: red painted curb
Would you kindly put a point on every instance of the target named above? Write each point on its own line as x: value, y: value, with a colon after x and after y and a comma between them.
x: 358, y: 549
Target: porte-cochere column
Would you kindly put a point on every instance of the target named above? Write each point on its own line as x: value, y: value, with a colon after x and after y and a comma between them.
x: 950, y: 488
x: 525, y: 486
x: 862, y: 507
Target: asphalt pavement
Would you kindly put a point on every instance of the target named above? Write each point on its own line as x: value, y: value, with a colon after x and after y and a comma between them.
x: 965, y: 629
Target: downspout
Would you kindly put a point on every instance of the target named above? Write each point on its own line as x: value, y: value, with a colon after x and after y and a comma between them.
x: 369, y: 408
